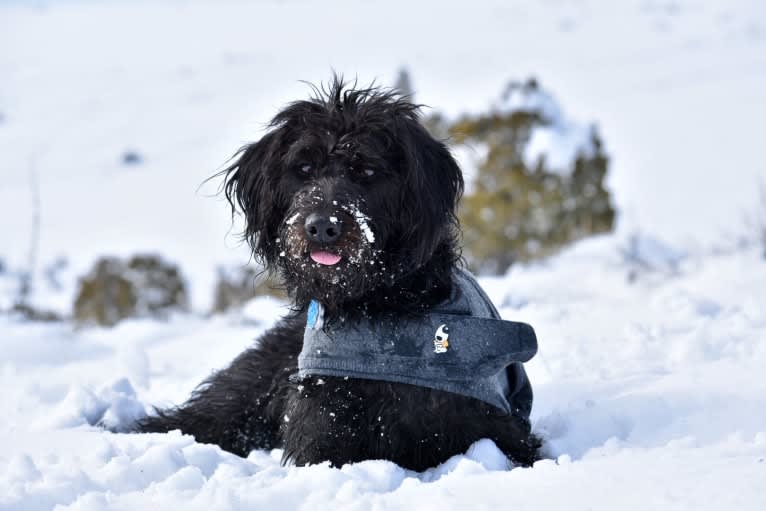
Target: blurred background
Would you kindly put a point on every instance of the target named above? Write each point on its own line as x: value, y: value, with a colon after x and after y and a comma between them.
x: 639, y: 121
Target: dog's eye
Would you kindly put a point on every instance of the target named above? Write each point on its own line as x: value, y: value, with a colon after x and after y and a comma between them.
x: 305, y: 168
x: 368, y: 172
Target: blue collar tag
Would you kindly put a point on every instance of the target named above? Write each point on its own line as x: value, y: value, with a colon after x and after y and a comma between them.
x: 315, y: 318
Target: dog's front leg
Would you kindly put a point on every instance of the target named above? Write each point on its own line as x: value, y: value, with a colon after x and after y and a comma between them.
x: 327, y: 419
x: 241, y: 407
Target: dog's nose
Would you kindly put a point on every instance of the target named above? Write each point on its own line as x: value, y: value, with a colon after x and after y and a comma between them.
x: 322, y: 229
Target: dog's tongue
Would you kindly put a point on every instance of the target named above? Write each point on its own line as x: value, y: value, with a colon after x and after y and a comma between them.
x: 326, y: 258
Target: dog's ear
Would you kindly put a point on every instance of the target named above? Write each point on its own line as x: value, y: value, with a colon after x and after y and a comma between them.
x: 249, y: 186
x: 434, y: 184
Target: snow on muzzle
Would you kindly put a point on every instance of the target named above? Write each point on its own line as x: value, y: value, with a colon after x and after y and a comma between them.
x: 328, y: 235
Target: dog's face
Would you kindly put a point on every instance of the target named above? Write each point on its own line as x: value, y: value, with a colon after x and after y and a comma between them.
x: 346, y: 194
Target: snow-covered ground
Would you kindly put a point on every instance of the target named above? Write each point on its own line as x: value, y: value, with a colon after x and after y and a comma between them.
x: 649, y: 385
x: 650, y: 395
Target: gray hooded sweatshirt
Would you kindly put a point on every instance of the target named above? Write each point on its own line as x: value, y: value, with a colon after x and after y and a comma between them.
x: 460, y: 346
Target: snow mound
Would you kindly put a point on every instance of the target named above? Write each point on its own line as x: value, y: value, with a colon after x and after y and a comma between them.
x: 114, y: 407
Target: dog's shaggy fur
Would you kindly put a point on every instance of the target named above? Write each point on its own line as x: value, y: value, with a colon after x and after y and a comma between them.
x: 360, y: 159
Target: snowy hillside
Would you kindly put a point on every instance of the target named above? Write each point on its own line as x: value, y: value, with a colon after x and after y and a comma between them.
x: 650, y: 390
x: 675, y: 87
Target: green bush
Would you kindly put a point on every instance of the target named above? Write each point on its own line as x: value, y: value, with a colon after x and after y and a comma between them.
x: 145, y: 285
x: 526, y: 202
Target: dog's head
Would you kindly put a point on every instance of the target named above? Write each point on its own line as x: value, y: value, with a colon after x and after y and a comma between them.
x: 346, y: 194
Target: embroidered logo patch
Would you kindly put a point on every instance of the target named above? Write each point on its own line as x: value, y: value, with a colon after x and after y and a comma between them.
x: 315, y: 318
x: 441, y: 342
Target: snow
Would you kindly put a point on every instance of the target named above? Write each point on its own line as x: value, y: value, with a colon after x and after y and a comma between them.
x: 528, y: 97
x: 361, y: 220
x: 559, y: 140
x: 650, y: 395
x: 649, y: 382
x: 559, y: 144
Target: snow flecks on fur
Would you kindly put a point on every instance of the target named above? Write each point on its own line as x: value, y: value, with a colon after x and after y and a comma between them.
x: 361, y: 220
x: 360, y: 260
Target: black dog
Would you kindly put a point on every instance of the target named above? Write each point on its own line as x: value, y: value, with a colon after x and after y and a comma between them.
x: 353, y: 203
